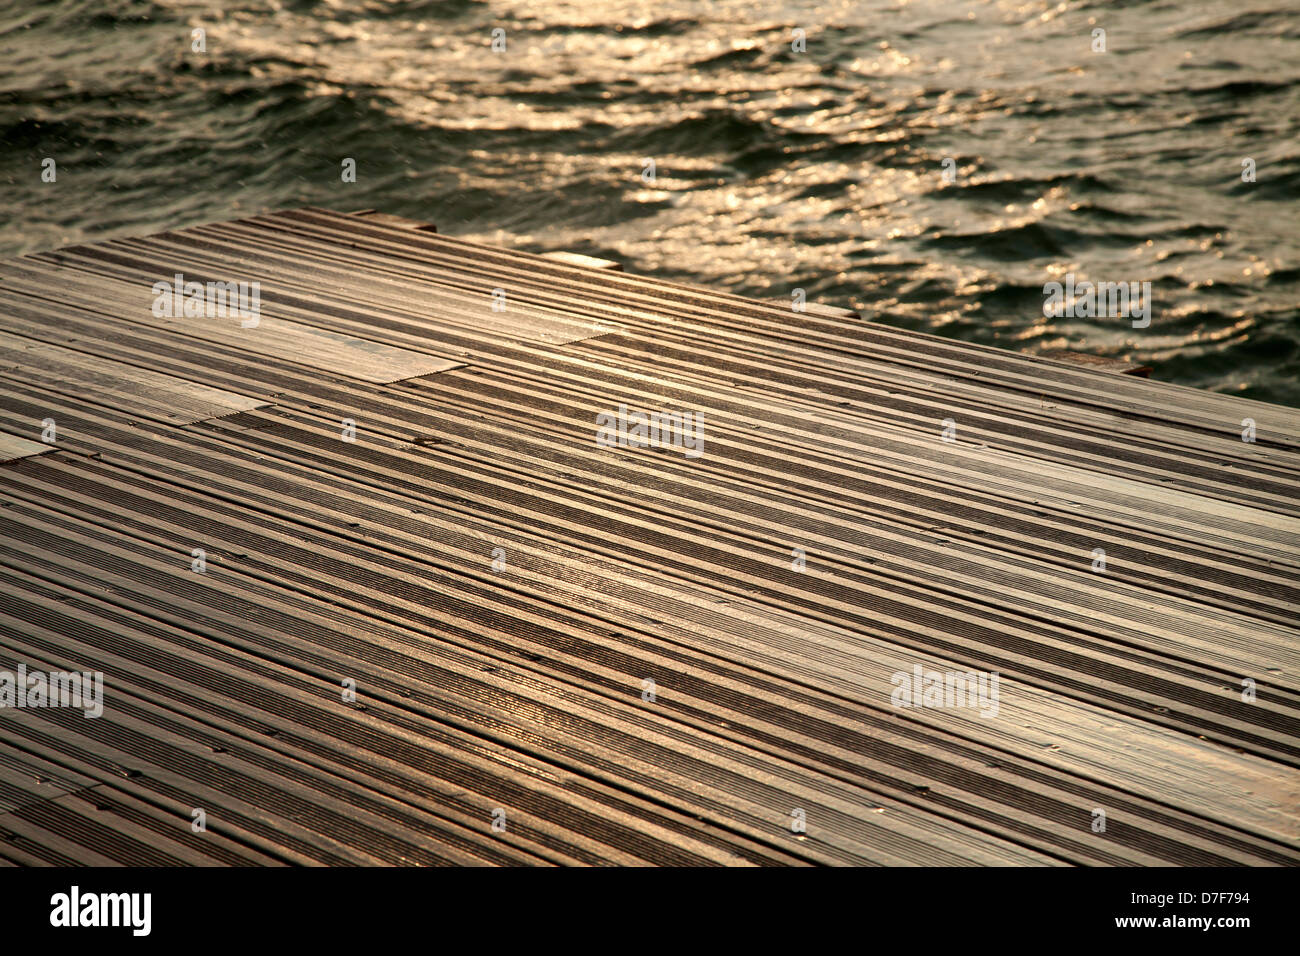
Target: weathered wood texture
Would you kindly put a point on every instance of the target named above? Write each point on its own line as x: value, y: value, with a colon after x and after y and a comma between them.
x: 501, y: 589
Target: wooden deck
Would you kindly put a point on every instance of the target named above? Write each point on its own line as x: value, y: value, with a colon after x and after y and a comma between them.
x: 501, y: 589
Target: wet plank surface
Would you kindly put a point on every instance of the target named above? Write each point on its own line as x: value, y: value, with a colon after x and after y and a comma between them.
x: 390, y: 601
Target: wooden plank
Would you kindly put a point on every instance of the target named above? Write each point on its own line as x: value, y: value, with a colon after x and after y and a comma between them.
x: 13, y: 447
x: 399, y: 222
x: 587, y: 262
x: 139, y: 390
x: 816, y: 308
x: 1102, y: 363
x: 303, y: 344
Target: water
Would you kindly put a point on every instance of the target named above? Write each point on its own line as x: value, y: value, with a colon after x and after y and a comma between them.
x: 774, y: 170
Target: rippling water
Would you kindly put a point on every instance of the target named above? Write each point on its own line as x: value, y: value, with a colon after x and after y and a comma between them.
x: 774, y: 169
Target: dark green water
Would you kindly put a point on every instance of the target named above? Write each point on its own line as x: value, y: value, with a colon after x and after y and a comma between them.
x: 774, y: 169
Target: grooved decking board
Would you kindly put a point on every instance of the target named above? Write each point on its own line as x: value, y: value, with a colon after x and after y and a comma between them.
x: 139, y: 390
x: 13, y: 447
x: 726, y: 316
x: 500, y: 588
x: 300, y: 342
x: 509, y: 318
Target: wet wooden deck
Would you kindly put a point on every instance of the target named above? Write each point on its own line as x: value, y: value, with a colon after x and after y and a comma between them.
x: 501, y: 589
